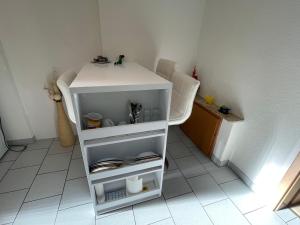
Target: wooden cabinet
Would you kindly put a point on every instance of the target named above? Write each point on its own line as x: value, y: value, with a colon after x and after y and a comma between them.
x: 202, y: 128
x: 210, y: 130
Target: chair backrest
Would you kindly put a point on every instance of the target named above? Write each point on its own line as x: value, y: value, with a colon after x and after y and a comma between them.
x: 165, y: 68
x: 183, y: 94
x: 63, y: 83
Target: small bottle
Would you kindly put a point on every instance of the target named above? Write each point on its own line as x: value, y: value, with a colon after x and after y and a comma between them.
x: 194, y: 74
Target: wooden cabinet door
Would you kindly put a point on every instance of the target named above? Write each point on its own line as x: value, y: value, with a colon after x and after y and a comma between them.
x: 202, y: 128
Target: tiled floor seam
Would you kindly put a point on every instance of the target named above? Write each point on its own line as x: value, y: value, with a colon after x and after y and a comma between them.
x: 161, y: 220
x: 13, y: 191
x: 133, y: 215
x: 42, y: 198
x: 10, y: 165
x: 206, y: 172
x: 168, y: 209
x: 52, y: 172
x: 228, y: 181
x: 75, y: 177
x: 244, y: 215
x: 197, y: 196
x: 210, y: 219
x: 261, y: 207
x: 59, y: 210
x: 64, y: 185
x: 30, y: 186
x: 24, y: 167
x: 292, y: 219
x: 237, y: 206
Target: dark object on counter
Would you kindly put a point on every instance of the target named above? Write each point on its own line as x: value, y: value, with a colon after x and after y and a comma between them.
x: 101, y: 60
x: 120, y: 60
x: 224, y: 109
x: 135, y: 112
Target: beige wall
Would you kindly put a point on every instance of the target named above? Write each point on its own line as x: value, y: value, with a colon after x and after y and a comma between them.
x: 249, y: 59
x: 40, y: 36
x: 145, y: 30
x: 13, y: 117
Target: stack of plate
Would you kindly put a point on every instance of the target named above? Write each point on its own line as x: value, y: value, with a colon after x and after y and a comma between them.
x: 114, y: 163
x: 106, y: 164
x: 145, y: 157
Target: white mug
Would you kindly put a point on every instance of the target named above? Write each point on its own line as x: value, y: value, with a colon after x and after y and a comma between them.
x: 134, y: 185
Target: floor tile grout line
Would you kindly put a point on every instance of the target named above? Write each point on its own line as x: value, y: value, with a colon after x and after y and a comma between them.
x: 56, y: 195
x: 290, y: 219
x: 218, y: 184
x: 211, y: 203
x: 197, y: 196
x: 87, y: 203
x: 266, y: 208
x: 133, y: 214
x: 56, y: 171
x: 203, y: 206
x: 226, y: 182
x: 7, y: 192
x: 24, y: 167
x: 10, y: 165
x: 50, y: 144
x: 169, y: 209
x: 206, y: 213
x: 261, y: 207
x: 76, y: 178
x: 31, y: 185
x: 237, y: 205
x: 162, y: 219
x: 185, y: 178
x: 187, y: 157
x: 297, y: 217
x: 64, y: 185
x: 244, y: 215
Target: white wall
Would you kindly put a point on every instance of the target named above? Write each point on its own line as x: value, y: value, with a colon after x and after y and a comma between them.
x: 13, y: 118
x: 145, y: 30
x: 39, y: 36
x: 249, y: 58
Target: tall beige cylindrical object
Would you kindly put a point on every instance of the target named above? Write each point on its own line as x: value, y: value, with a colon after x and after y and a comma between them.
x: 65, y: 132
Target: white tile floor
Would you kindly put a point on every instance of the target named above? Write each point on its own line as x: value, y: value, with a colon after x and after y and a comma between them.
x: 46, y: 185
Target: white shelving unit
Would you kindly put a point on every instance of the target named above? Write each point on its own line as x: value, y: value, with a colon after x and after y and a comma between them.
x: 107, y: 89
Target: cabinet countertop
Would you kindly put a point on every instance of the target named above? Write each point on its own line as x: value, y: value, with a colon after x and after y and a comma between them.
x: 128, y: 76
x: 214, y: 109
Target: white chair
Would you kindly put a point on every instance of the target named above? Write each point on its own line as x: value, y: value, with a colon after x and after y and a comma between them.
x: 165, y: 68
x: 63, y: 83
x: 183, y: 94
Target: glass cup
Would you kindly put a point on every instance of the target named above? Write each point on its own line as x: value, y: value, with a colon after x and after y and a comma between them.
x: 155, y: 114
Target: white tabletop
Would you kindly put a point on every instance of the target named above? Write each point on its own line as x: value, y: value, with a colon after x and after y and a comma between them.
x: 108, y: 77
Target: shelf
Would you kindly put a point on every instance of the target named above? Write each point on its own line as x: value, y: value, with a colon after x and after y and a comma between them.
x: 153, y: 191
x: 131, y: 200
x: 123, y: 130
x: 126, y: 171
x: 123, y: 138
x: 126, y: 142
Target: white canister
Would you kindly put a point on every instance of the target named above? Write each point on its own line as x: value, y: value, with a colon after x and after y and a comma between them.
x: 134, y: 185
x: 99, y: 189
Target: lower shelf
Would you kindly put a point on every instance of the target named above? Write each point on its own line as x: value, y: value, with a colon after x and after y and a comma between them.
x: 117, y: 197
x: 131, y: 200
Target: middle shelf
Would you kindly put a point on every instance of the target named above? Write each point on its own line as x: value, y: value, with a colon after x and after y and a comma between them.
x: 119, y: 155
